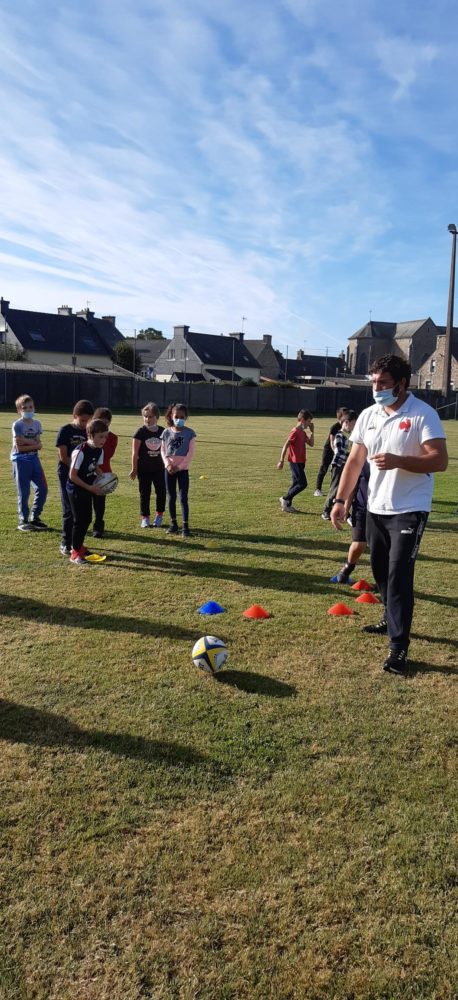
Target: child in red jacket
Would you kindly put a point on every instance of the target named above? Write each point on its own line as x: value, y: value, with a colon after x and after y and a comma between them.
x: 109, y: 448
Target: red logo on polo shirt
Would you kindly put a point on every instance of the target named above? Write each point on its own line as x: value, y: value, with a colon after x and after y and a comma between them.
x: 405, y: 425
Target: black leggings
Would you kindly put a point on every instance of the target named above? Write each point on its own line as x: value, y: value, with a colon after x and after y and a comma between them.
x: 327, y: 456
x: 171, y: 481
x: 394, y: 540
x: 81, y: 504
x: 153, y: 475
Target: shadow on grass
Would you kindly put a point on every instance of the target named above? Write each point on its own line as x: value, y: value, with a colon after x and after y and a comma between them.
x: 21, y: 724
x: 442, y: 526
x: 436, y: 639
x: 29, y: 609
x: 256, y: 684
x: 451, y: 602
x: 419, y: 667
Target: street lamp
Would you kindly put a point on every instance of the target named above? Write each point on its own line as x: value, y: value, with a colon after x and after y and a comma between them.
x: 447, y: 368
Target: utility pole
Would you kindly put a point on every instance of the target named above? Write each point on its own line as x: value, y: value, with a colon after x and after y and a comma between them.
x: 135, y: 352
x: 74, y: 358
x: 6, y: 366
x: 447, y: 369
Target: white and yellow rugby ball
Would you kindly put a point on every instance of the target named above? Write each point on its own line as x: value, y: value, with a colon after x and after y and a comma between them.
x: 210, y: 654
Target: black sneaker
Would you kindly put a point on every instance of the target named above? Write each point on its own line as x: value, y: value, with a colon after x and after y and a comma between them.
x: 37, y: 524
x: 64, y: 550
x: 344, y: 574
x: 185, y: 531
x: 97, y: 533
x: 25, y: 526
x: 173, y: 530
x: 380, y: 629
x: 396, y: 661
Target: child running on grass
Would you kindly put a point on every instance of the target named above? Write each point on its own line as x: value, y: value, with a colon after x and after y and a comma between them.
x: 109, y: 448
x: 27, y: 469
x: 68, y: 438
x: 148, y: 466
x: 178, y: 444
x: 85, y: 466
x: 301, y: 436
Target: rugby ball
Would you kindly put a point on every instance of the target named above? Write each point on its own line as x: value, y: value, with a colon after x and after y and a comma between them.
x: 107, y: 482
x: 210, y: 654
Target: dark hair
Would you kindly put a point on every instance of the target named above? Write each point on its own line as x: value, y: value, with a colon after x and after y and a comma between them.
x: 351, y: 415
x: 83, y: 407
x: 341, y: 411
x: 103, y: 413
x: 397, y: 367
x: 96, y: 427
x: 305, y: 414
x: 171, y: 408
x: 151, y: 406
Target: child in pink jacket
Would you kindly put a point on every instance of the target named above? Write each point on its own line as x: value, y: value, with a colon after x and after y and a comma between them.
x: 177, y: 449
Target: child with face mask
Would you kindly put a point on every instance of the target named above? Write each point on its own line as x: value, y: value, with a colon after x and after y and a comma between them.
x: 177, y: 446
x: 27, y: 469
x: 148, y: 467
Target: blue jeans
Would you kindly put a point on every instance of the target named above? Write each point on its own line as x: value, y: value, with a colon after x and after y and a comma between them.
x: 171, y: 480
x: 27, y: 472
x: 298, y: 480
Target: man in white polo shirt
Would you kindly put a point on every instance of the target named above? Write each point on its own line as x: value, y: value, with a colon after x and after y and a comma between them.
x: 404, y: 442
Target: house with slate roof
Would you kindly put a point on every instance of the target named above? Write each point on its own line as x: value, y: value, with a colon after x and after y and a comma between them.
x: 312, y: 366
x: 264, y: 353
x: 431, y: 371
x: 414, y: 340
x: 147, y: 353
x: 211, y: 357
x: 55, y: 338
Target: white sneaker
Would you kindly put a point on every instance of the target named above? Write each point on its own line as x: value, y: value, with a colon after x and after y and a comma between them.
x: 318, y: 493
x: 144, y: 522
x: 350, y: 522
x: 293, y: 510
x: 284, y: 506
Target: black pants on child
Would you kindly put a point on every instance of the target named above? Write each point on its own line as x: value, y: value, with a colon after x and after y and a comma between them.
x: 335, y: 480
x: 152, y: 475
x: 67, y: 516
x: 98, y: 503
x: 298, y: 481
x: 81, y: 505
x: 394, y: 540
x: 182, y: 480
x: 327, y: 456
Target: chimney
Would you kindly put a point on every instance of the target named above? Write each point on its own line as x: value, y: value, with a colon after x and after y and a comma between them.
x: 180, y: 331
x: 267, y: 339
x: 110, y: 319
x: 85, y: 314
x: 300, y: 355
x: 237, y: 336
x: 64, y: 311
x: 4, y: 306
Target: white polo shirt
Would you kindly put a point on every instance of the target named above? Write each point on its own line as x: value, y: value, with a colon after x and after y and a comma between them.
x: 401, y: 433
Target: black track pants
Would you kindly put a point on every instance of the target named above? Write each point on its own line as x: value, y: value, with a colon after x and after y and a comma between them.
x: 394, y: 540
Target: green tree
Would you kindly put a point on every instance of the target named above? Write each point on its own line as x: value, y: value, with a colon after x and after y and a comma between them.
x: 124, y: 356
x: 150, y: 334
x: 12, y: 353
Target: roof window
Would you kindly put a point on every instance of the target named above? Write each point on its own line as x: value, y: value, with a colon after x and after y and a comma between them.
x: 37, y: 336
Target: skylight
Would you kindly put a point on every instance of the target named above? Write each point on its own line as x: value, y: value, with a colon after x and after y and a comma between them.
x: 36, y: 335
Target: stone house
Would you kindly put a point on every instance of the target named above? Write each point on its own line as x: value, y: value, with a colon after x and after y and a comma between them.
x: 214, y: 358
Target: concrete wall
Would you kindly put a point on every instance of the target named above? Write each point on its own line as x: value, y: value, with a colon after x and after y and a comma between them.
x: 61, y: 358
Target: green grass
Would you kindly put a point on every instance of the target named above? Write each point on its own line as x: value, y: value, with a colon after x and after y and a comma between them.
x: 285, y: 831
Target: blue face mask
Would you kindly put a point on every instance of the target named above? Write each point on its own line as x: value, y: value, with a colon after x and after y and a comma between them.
x: 385, y: 397
x: 179, y: 421
x: 28, y: 414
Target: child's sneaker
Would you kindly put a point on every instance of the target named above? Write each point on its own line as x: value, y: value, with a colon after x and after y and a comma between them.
x: 85, y: 551
x: 24, y: 526
x: 64, y: 550
x: 144, y: 522
x: 325, y: 517
x: 285, y: 506
x: 185, y: 531
x: 157, y: 523
x: 318, y: 493
x: 76, y: 557
x: 173, y: 529
x: 97, y: 532
x: 38, y: 525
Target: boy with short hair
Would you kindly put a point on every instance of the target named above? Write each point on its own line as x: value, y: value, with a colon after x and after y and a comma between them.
x: 301, y: 437
x: 68, y: 438
x: 27, y: 468
x: 85, y: 467
x: 111, y: 443
x: 338, y: 462
x: 328, y: 450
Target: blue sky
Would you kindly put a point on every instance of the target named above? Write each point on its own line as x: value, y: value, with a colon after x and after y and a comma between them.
x: 194, y: 161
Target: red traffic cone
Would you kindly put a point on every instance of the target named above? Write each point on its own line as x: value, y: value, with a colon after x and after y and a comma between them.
x: 256, y: 611
x: 367, y: 598
x: 340, y: 609
x: 362, y: 585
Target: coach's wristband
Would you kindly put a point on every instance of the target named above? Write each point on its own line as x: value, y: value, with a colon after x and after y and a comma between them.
x: 340, y: 501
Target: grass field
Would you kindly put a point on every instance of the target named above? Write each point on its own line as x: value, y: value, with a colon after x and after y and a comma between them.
x: 285, y: 831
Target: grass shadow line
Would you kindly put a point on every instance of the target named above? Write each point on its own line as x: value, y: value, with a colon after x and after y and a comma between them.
x: 420, y: 667
x: 253, y: 683
x: 28, y: 609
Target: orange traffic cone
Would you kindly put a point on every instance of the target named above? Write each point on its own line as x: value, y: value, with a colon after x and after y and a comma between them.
x: 367, y: 598
x: 340, y: 609
x: 256, y: 611
x: 362, y: 585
